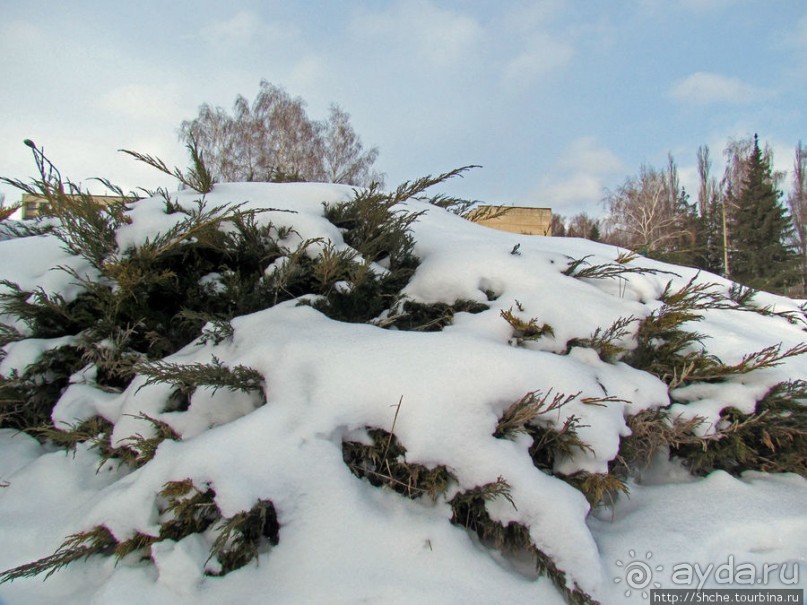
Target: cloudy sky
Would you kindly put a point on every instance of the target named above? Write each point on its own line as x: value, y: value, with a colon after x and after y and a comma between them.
x: 556, y: 99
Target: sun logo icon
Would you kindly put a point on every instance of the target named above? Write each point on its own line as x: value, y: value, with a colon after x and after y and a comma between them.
x: 638, y: 574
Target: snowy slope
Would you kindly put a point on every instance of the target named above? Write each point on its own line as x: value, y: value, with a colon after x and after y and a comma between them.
x: 341, y: 540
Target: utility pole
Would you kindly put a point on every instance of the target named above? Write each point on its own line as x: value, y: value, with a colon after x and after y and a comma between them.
x: 726, y: 271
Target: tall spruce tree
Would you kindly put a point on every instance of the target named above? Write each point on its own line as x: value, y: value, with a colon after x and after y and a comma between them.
x: 710, y: 236
x: 709, y: 221
x: 760, y: 256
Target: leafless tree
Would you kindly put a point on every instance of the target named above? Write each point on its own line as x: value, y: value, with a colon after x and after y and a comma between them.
x: 644, y: 213
x: 707, y: 184
x: 274, y: 139
x: 581, y: 225
x: 736, y: 152
x: 344, y: 158
x: 797, y: 201
x: 557, y: 226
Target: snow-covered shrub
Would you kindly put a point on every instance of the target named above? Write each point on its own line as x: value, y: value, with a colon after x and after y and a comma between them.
x: 383, y: 463
x: 138, y: 303
x: 185, y: 510
x: 772, y: 439
x: 198, y: 365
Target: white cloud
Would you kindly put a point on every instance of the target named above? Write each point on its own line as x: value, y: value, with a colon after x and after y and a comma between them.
x: 705, y: 88
x: 701, y: 6
x: 21, y: 34
x: 586, y: 153
x: 535, y: 43
x: 440, y: 36
x: 308, y: 76
x: 543, y: 54
x: 574, y: 191
x: 579, y: 177
x: 238, y: 30
x: 142, y: 102
x: 794, y: 42
x: 526, y: 18
x: 797, y: 38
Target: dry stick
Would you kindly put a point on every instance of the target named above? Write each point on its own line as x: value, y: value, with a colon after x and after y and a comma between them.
x: 391, y: 435
x: 409, y: 487
x: 392, y: 430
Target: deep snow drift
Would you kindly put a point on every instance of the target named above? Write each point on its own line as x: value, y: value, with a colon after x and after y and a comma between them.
x: 342, y: 540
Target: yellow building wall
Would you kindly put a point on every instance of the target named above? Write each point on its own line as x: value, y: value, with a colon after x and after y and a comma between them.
x: 36, y: 205
x: 515, y: 219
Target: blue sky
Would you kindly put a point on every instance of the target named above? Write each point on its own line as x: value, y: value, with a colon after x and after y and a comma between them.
x: 556, y: 99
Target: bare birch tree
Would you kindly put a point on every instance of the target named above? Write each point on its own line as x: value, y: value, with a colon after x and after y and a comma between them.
x: 274, y: 139
x: 644, y: 213
x: 557, y: 226
x: 344, y: 158
x: 797, y: 201
x: 582, y: 225
x: 707, y: 184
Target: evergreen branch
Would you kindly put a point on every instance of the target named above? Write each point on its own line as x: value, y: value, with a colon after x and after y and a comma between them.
x: 484, y: 213
x: 186, y: 378
x: 136, y: 543
x: 598, y: 488
x: 7, y: 211
x: 469, y: 510
x: 423, y: 317
x: 550, y: 444
x: 77, y: 546
x: 200, y: 224
x: 773, y: 439
x: 602, y: 401
x: 39, y: 311
x: 95, y: 430
x: 663, y: 347
x: 126, y: 198
x: 145, y: 448
x: 411, y: 189
x: 9, y: 334
x: 383, y: 464
x: 523, y: 412
x: 86, y: 228
x: 216, y: 329
x: 526, y: 330
x: 240, y: 536
x: 582, y: 269
x: 653, y: 431
x: 486, y: 493
x: 768, y: 357
x: 28, y: 228
x: 692, y: 296
x: 454, y: 205
x: 604, y: 341
x: 199, y: 178
x: 187, y: 510
x: 626, y: 257
x: 743, y: 297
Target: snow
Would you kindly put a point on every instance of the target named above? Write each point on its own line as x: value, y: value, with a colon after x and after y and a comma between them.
x: 757, y: 519
x: 342, y: 540
x: 23, y: 353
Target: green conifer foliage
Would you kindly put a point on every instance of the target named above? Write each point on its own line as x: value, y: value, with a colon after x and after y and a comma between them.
x: 760, y: 227
x: 709, y: 242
